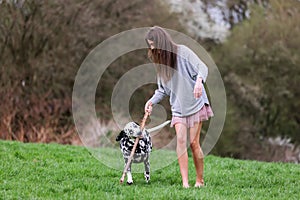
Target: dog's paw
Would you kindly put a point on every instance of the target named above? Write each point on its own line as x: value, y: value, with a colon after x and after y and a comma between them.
x: 129, y: 182
x: 147, y: 176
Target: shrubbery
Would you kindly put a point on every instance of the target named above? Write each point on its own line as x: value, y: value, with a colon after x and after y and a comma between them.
x: 42, y: 44
x: 260, y: 64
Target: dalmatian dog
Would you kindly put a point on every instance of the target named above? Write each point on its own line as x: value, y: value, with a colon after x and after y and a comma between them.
x: 127, y: 137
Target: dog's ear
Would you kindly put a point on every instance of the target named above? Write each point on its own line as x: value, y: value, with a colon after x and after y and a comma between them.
x: 120, y: 136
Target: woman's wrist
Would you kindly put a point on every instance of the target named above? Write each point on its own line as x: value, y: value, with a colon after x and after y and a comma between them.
x: 148, y: 107
x: 199, y: 80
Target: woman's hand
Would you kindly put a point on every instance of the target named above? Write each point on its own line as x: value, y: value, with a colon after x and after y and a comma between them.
x: 198, y: 88
x: 148, y: 107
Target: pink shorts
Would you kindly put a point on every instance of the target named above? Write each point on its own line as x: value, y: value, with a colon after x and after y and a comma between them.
x: 202, y: 115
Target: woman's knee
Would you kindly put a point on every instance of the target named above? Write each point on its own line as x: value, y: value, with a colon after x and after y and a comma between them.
x: 181, y: 140
x: 195, y: 145
x: 181, y: 134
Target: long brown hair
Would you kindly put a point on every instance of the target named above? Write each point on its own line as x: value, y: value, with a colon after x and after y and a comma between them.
x: 164, y: 54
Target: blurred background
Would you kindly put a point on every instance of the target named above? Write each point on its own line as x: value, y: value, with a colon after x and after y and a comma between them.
x: 255, y: 44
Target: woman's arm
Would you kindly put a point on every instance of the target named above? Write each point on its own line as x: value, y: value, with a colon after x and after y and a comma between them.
x: 200, y: 70
x: 199, y: 67
x: 155, y: 99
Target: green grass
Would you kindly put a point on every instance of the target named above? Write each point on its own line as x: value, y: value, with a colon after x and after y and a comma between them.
x: 52, y: 171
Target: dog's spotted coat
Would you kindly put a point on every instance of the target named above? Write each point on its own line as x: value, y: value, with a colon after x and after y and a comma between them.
x: 143, y: 149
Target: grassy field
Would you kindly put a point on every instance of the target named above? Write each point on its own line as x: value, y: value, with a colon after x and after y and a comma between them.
x: 52, y: 171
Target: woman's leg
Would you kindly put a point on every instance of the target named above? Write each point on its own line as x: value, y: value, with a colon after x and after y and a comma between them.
x: 197, y: 153
x: 181, y: 133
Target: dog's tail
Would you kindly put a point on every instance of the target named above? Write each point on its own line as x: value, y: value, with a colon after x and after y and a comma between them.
x: 156, y: 128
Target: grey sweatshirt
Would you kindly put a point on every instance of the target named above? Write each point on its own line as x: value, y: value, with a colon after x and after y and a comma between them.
x: 180, y: 87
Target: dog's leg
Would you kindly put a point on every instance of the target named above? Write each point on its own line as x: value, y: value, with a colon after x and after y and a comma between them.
x: 147, y: 169
x: 129, y: 176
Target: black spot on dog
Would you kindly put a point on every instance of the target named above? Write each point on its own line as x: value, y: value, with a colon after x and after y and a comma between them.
x: 120, y: 136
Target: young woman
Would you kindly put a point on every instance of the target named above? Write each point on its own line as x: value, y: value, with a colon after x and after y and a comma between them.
x: 180, y: 75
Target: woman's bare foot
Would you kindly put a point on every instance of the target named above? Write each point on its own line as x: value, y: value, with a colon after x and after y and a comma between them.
x: 199, y: 184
